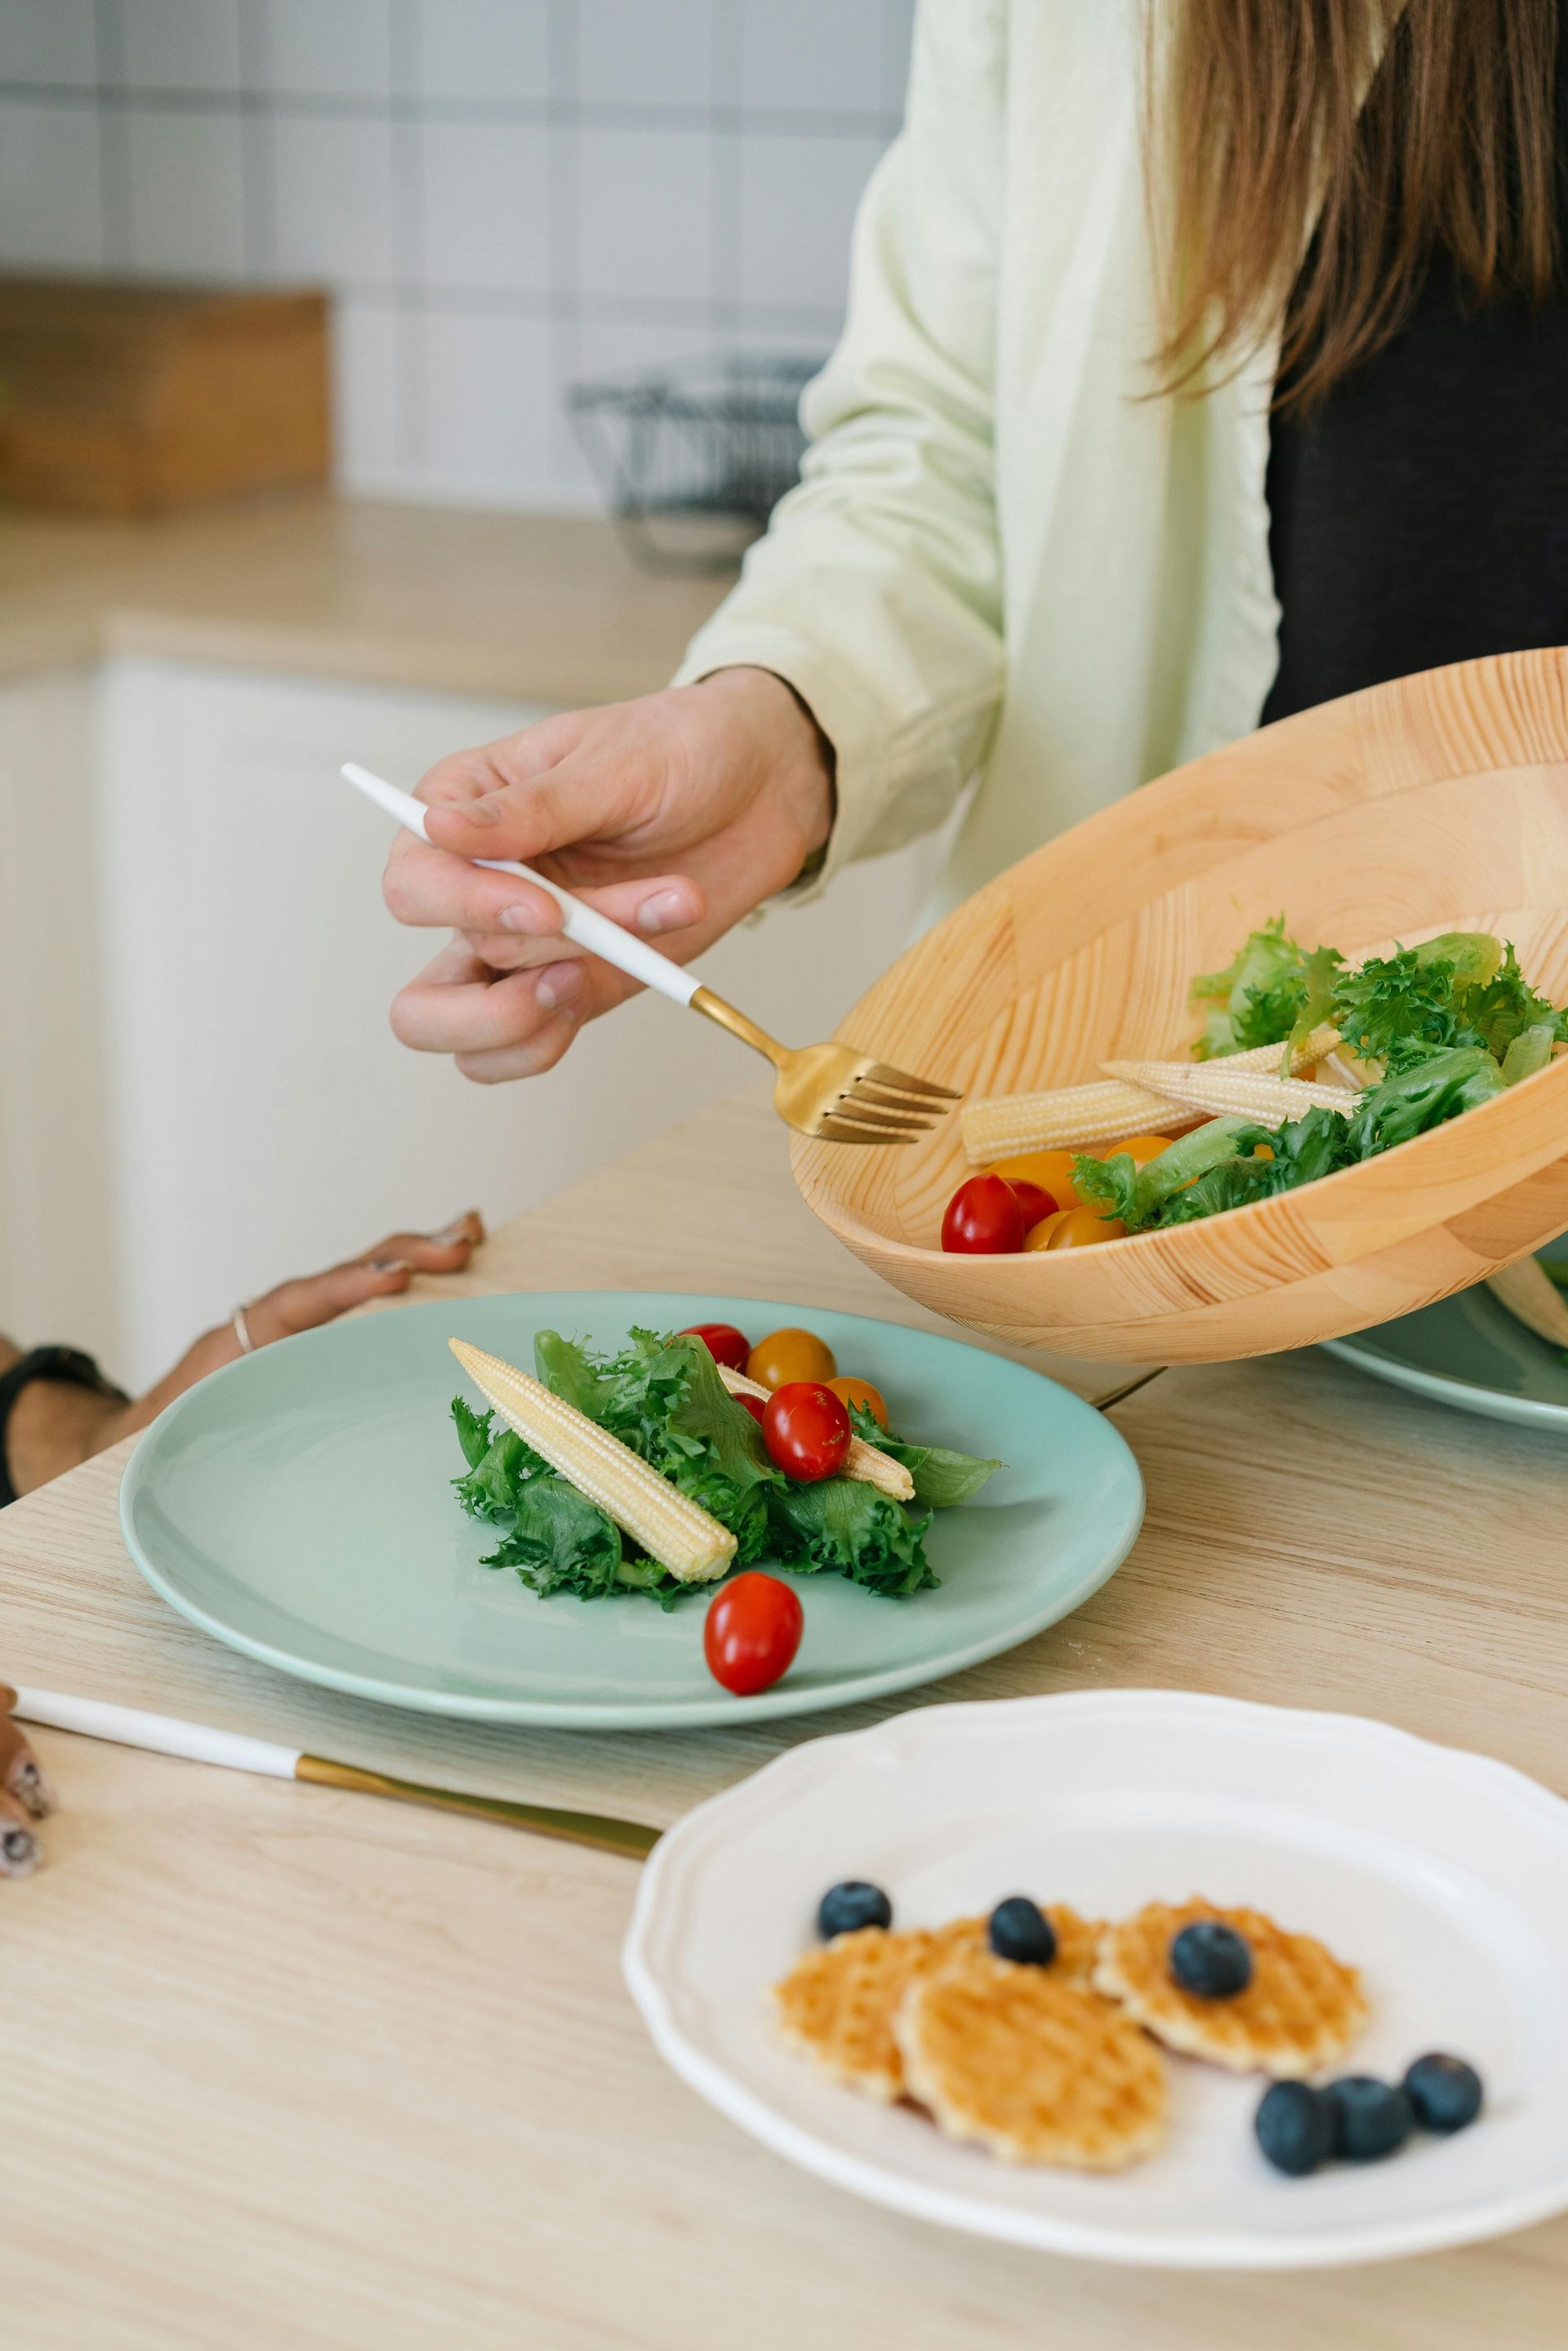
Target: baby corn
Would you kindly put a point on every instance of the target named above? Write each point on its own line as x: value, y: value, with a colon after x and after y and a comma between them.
x: 1220, y: 1090
x: 1067, y: 1116
x: 1076, y: 1116
x: 862, y: 1461
x: 671, y: 1529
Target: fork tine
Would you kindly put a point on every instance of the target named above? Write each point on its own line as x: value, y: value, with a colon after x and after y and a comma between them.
x: 898, y: 1118
x: 833, y: 1129
x: 862, y: 1089
x: 882, y: 1073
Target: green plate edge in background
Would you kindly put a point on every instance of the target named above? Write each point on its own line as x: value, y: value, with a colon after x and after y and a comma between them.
x: 295, y: 1506
x: 1470, y: 1353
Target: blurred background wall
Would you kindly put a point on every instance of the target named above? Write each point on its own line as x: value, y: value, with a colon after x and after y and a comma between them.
x: 494, y: 200
x: 505, y: 195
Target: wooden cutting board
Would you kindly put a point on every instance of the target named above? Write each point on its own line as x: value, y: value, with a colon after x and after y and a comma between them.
x: 119, y: 399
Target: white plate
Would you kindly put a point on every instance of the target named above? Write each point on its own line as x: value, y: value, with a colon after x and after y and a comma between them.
x: 1444, y: 1876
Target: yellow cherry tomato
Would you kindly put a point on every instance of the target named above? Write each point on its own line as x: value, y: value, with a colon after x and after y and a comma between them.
x: 790, y: 1354
x: 1051, y: 1170
x: 851, y: 1391
x: 1074, y: 1228
x: 1139, y: 1148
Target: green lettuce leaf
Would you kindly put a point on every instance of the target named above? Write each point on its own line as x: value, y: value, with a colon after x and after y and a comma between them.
x: 1419, y: 1098
x: 845, y: 1525
x: 664, y: 1398
x: 556, y: 1538
x: 1274, y: 991
x: 1139, y: 1195
x: 1462, y: 989
x: 942, y: 1479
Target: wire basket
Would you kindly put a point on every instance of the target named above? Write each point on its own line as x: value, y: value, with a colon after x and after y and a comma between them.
x: 695, y: 457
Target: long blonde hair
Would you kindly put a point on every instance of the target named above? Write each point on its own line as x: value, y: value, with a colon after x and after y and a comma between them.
x: 1259, y: 127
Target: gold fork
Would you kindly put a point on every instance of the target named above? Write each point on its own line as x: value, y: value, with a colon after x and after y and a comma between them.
x: 831, y: 1091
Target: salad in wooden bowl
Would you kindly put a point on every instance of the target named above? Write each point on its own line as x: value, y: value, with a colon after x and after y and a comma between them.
x: 1416, y: 815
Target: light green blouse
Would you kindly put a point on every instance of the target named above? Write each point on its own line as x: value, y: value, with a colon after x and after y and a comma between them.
x: 1005, y: 560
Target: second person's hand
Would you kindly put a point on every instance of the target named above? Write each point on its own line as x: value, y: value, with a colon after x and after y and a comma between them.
x: 675, y: 815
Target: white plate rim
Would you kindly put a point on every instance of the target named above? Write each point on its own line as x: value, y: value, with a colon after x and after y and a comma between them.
x: 974, y: 2214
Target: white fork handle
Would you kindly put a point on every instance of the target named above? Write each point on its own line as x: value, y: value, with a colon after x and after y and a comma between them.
x: 595, y: 933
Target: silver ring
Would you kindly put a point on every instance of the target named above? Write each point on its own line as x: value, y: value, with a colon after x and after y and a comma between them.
x: 242, y: 1332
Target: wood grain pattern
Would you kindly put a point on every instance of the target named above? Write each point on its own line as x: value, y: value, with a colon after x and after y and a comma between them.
x: 286, y: 2066
x: 133, y: 400
x: 1396, y: 813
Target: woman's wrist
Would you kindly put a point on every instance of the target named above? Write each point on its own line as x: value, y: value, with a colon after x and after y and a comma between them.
x: 799, y: 759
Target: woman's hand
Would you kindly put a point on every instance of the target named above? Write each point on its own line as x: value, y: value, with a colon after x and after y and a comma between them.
x: 675, y: 815
x: 52, y: 1428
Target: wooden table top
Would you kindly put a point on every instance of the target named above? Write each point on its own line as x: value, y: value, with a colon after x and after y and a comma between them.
x: 290, y: 2066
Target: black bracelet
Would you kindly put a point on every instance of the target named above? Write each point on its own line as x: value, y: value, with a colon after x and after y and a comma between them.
x: 67, y: 1367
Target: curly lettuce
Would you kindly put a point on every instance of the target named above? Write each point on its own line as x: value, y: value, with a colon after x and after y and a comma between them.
x: 662, y: 1395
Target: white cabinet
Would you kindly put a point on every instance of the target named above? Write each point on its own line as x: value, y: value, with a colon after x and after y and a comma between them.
x: 262, y: 1119
x: 57, y: 1277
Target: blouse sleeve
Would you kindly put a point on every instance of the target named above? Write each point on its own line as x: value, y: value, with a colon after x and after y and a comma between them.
x: 876, y: 591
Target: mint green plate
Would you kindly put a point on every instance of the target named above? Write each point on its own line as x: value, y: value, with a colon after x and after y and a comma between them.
x: 298, y: 1506
x: 1471, y: 1353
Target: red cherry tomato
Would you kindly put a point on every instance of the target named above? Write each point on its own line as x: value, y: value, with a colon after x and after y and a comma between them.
x: 755, y: 1405
x: 751, y: 1633
x: 807, y: 1430
x: 984, y: 1218
x: 1034, y: 1200
x: 723, y: 1343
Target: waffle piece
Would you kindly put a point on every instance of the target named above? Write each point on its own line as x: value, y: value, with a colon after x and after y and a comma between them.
x: 836, y: 2007
x: 1302, y: 2009
x: 1078, y: 1943
x: 1036, y: 2069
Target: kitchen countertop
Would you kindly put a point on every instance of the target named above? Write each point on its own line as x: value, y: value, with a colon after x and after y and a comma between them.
x: 289, y: 2065
x: 536, y: 607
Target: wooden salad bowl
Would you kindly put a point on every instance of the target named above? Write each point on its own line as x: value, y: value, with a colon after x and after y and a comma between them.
x: 1437, y: 803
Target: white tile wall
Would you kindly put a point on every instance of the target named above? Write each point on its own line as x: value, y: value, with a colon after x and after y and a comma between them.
x: 496, y: 51
x: 187, y: 45
x: 330, y: 48
x: 332, y: 211
x: 485, y: 191
x: 815, y: 56
x: 797, y: 199
x: 494, y: 409
x: 186, y: 214
x: 645, y: 216
x: 48, y: 41
x: 51, y: 191
x: 632, y: 54
x: 503, y: 195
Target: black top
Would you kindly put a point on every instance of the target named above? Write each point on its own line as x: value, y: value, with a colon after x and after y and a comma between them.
x: 1419, y: 514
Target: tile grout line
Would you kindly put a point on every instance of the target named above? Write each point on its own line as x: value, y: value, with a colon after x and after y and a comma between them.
x: 258, y: 162
x: 411, y: 388
x: 117, y: 240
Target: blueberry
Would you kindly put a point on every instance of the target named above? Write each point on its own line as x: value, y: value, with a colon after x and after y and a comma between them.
x: 1295, y: 2127
x: 1212, y: 1960
x: 852, y: 1903
x: 1019, y: 1930
x: 1370, y: 2118
x: 1444, y: 2092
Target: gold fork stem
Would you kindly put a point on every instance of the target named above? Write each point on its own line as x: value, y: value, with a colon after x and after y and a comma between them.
x: 724, y: 1016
